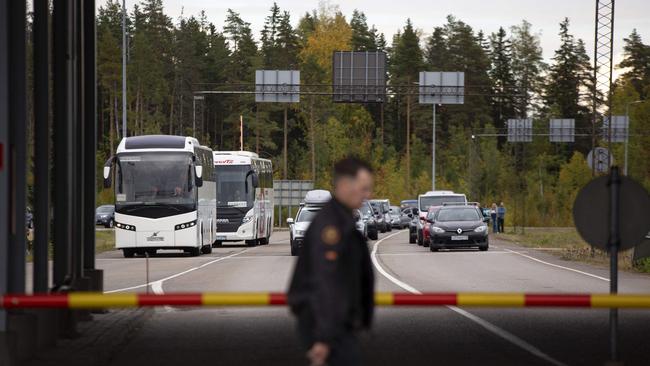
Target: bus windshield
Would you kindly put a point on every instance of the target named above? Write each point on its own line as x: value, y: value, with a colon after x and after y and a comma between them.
x: 231, y: 187
x: 155, y: 180
x: 428, y: 201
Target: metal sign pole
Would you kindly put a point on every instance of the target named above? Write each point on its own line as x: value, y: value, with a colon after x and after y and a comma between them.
x: 614, y: 242
x: 433, y: 151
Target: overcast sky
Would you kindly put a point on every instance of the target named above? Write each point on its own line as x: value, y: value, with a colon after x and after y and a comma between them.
x: 390, y: 15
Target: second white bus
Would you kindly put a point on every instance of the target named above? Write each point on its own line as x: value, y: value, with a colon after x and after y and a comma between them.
x: 244, y: 197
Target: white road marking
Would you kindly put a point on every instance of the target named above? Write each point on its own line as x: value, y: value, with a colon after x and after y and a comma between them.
x: 158, y: 283
x: 557, y: 265
x: 480, y: 321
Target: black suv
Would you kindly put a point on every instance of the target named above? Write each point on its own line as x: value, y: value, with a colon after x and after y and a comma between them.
x: 458, y: 226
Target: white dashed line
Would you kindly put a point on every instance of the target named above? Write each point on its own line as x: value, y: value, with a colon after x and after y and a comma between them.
x: 480, y: 321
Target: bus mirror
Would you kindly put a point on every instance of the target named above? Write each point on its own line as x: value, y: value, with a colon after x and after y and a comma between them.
x: 256, y: 180
x: 107, y: 172
x: 198, y: 179
x: 107, y: 177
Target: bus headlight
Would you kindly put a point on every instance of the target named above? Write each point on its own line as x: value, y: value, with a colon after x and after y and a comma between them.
x: 246, y: 219
x: 122, y: 226
x: 185, y: 225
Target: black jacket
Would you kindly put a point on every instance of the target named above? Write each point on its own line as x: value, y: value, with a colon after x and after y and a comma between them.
x: 333, y: 281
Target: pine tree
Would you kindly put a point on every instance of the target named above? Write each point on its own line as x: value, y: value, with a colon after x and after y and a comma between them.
x: 501, y: 77
x: 527, y: 67
x: 362, y: 37
x: 636, y: 59
x: 269, y: 45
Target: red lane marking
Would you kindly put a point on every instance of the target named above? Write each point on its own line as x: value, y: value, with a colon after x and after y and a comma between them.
x: 558, y: 300
x: 425, y: 299
x: 277, y: 299
x: 35, y: 301
x: 170, y: 299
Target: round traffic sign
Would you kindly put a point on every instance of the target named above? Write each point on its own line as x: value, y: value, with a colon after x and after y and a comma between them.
x: 591, y: 213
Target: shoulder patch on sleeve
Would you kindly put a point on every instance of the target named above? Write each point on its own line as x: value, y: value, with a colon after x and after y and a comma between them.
x: 330, y: 235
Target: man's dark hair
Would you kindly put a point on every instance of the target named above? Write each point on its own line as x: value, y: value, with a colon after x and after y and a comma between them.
x: 349, y: 167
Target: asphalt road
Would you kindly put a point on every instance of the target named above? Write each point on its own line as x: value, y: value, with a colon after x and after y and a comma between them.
x: 404, y: 336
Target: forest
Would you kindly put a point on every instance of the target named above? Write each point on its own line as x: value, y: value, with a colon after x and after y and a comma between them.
x: 169, y: 59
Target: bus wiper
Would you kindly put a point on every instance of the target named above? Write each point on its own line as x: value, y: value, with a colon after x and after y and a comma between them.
x: 143, y: 205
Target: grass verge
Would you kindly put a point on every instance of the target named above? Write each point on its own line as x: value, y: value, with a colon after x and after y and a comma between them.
x: 566, y: 243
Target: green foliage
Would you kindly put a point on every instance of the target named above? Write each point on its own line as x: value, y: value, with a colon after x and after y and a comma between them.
x: 168, y: 61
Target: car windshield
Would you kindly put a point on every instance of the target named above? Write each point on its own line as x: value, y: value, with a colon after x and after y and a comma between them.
x: 394, y: 210
x: 231, y: 186
x: 104, y: 209
x: 458, y: 214
x: 306, y: 215
x: 366, y: 210
x: 428, y: 201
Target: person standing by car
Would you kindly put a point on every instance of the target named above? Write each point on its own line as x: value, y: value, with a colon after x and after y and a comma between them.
x: 493, y: 217
x: 332, y: 287
x: 501, y: 216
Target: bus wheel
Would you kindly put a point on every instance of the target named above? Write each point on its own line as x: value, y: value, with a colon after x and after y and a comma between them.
x: 217, y: 244
x: 251, y: 243
x: 194, y: 252
x: 206, y: 249
x: 264, y: 241
x: 128, y: 253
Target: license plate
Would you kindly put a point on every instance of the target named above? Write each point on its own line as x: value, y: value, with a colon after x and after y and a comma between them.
x: 459, y: 237
x: 221, y: 237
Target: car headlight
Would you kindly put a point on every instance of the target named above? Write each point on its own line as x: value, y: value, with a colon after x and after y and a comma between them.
x: 185, y: 225
x: 120, y: 225
x: 481, y: 229
x: 437, y: 230
x: 246, y: 219
x: 300, y: 232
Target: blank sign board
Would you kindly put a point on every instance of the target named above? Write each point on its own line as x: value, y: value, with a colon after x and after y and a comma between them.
x: 520, y: 130
x: 359, y: 77
x: 442, y: 87
x: 562, y: 130
x: 291, y: 192
x: 620, y: 125
x: 277, y: 86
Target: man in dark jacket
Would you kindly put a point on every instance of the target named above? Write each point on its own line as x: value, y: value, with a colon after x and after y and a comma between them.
x: 332, y: 289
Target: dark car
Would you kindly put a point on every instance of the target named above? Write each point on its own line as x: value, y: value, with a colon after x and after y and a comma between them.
x: 380, y: 215
x: 369, y: 217
x: 105, y: 216
x: 458, y: 226
x: 404, y: 204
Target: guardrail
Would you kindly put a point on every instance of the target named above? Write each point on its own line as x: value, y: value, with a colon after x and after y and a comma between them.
x: 86, y: 300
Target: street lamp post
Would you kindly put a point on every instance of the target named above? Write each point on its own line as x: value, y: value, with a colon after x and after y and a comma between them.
x: 627, y: 131
x: 123, y: 68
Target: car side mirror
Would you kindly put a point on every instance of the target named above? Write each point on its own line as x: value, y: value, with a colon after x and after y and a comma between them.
x: 198, y: 175
x: 486, y: 219
x: 290, y: 221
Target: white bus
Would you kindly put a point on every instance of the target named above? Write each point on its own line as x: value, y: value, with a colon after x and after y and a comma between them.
x: 165, y: 195
x: 244, y: 197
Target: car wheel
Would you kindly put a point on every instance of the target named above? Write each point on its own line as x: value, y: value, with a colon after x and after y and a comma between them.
x: 128, y: 253
x: 294, y: 250
x: 433, y: 248
x: 419, y: 238
x: 110, y: 224
x: 373, y: 235
x: 194, y: 252
x: 483, y: 248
